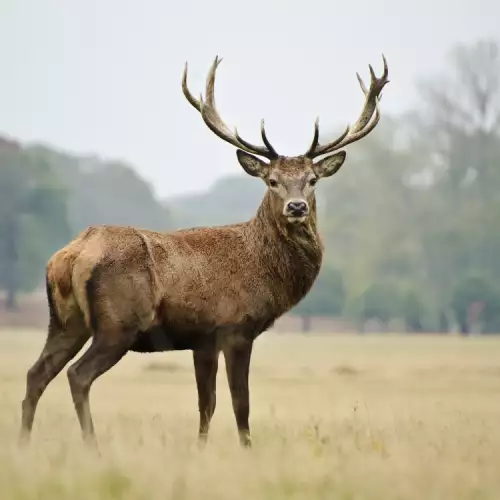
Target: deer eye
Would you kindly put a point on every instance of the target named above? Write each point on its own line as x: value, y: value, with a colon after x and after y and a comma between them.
x: 313, y: 181
x: 273, y: 182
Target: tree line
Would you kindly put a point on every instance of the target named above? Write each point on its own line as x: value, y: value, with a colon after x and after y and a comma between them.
x: 47, y: 197
x: 411, y: 224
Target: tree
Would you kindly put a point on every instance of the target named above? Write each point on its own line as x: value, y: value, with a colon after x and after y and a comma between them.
x: 369, y: 208
x: 381, y: 301
x: 460, y: 116
x: 32, y: 219
x: 413, y: 311
x: 105, y: 192
x: 459, y: 127
x: 476, y: 300
x: 326, y: 297
x: 47, y: 197
x: 229, y: 200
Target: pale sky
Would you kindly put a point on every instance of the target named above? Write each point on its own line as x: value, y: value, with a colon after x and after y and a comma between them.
x: 104, y: 76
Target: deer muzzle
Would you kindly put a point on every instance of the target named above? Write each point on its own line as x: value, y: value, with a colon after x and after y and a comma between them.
x: 296, y: 209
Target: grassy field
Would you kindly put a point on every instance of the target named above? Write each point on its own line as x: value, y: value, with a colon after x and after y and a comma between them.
x: 333, y: 418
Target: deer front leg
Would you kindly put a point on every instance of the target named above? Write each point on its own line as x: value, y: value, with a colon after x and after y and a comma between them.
x: 205, y: 368
x: 237, y: 359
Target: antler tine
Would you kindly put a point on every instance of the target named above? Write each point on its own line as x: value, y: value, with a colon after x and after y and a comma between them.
x: 211, y: 116
x: 362, y: 84
x: 265, y: 140
x: 371, y: 95
x: 363, y: 125
x: 192, y: 100
x: 209, y: 111
x: 356, y: 136
x: 316, y: 150
x: 315, y: 140
x: 268, y: 152
x: 210, y: 83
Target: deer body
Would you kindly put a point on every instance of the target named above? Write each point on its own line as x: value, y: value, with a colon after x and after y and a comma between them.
x: 208, y: 290
x: 185, y: 289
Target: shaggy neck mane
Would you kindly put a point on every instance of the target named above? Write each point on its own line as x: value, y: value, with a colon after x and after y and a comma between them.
x: 291, y: 253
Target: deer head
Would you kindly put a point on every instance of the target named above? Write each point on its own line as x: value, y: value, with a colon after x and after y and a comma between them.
x: 291, y: 181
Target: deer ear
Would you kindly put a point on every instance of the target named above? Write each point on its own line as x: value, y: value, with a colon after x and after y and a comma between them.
x: 329, y: 165
x: 251, y: 164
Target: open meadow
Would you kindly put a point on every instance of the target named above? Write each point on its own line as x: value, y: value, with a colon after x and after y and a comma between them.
x: 347, y: 417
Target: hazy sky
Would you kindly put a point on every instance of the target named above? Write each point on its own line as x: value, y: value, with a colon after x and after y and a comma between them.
x: 103, y: 76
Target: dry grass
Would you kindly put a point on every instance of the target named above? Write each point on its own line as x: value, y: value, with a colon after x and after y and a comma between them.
x: 333, y: 418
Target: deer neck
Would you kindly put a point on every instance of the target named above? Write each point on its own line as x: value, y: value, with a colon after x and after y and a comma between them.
x: 292, y: 253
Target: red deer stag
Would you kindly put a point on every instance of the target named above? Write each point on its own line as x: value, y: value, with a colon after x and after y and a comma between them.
x: 203, y: 289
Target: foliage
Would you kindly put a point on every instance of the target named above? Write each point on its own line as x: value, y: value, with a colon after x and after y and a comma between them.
x: 32, y: 219
x: 326, y: 297
x: 380, y: 301
x: 47, y: 197
x: 230, y: 200
x: 413, y: 311
x: 476, y: 291
x: 105, y: 192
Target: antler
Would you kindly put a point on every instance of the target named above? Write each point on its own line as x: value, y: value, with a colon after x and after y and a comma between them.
x: 212, y: 118
x: 363, y: 126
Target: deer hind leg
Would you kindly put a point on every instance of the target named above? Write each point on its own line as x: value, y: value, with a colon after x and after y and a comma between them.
x: 237, y: 359
x: 102, y: 355
x: 60, y: 347
x: 118, y: 309
x: 205, y: 368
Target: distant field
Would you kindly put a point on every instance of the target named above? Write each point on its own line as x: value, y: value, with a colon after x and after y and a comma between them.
x: 340, y: 417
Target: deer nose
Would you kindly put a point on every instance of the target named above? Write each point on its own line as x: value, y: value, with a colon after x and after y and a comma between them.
x: 297, y: 208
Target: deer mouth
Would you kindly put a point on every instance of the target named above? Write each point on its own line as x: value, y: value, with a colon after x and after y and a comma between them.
x: 296, y: 219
